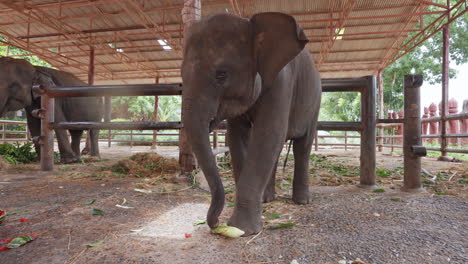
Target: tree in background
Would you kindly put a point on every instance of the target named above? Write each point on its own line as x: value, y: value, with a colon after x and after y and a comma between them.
x: 425, y: 59
x: 10, y: 50
x: 141, y: 108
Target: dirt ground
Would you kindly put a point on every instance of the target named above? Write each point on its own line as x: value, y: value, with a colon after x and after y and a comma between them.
x: 343, y: 223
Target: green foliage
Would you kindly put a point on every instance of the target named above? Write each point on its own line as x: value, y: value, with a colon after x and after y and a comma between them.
x: 425, y: 59
x: 11, y: 50
x: 17, y: 153
x: 141, y: 108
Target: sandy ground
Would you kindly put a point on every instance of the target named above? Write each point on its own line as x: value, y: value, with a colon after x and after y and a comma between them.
x: 343, y: 223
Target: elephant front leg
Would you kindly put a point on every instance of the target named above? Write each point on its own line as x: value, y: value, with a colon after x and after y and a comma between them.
x: 265, y: 144
x: 66, y: 153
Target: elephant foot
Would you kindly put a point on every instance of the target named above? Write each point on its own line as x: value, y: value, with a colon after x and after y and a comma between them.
x: 96, y: 155
x: 85, y: 151
x: 68, y: 160
x: 301, y: 197
x: 268, y: 196
x: 247, y: 220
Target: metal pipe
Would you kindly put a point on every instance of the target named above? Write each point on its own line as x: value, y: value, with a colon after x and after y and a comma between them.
x: 116, y: 90
x: 368, y: 139
x: 343, y: 84
x: 339, y: 126
x: 412, y: 132
x: 118, y: 125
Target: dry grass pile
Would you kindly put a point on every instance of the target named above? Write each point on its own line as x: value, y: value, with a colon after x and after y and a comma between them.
x: 4, y: 164
x: 146, y: 165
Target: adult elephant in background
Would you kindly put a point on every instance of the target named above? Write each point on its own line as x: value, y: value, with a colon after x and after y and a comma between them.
x: 256, y: 74
x: 16, y: 80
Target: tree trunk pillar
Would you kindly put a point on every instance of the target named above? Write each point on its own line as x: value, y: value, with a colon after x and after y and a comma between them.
x: 190, y: 14
x: 445, y: 85
x: 412, y: 143
x: 155, y: 117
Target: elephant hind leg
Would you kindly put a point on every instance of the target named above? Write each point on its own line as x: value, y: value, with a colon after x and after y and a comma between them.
x: 76, y: 140
x: 94, y: 142
x: 270, y: 192
x: 302, y: 147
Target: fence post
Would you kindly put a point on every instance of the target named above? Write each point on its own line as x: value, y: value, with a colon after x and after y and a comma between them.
x: 155, y: 116
x: 368, y: 139
x: 215, y: 139
x: 345, y: 140
x: 445, y: 87
x: 316, y: 141
x: 47, y: 133
x: 107, y: 117
x: 412, y: 143
x: 131, y: 138
x: 3, y: 131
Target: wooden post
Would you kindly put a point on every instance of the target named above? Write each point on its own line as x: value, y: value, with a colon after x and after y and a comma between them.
x: 3, y: 131
x: 47, y: 134
x: 215, y: 139
x: 368, y: 139
x: 445, y: 86
x: 107, y: 117
x: 87, y: 147
x: 190, y: 13
x: 316, y: 141
x: 412, y: 132
x: 381, y: 108
x: 155, y: 117
x: 131, y: 138
x: 345, y: 140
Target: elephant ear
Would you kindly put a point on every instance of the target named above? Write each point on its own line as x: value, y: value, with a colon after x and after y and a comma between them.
x: 277, y: 40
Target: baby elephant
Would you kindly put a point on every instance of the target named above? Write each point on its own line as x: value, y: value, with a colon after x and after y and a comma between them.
x: 257, y: 75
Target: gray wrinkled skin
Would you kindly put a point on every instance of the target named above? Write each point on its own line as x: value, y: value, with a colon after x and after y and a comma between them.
x: 257, y: 75
x: 16, y: 80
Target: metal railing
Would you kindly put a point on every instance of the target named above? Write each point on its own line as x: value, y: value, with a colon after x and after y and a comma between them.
x: 8, y: 135
x: 393, y: 138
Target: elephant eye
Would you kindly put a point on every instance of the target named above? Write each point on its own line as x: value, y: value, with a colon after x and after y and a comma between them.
x: 221, y: 75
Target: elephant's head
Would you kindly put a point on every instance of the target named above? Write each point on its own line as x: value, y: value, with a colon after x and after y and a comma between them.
x: 228, y: 63
x: 16, y: 79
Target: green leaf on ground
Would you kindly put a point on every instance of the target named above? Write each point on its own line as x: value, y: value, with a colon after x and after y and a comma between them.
x: 275, y: 215
x: 379, y: 190
x: 282, y: 225
x: 228, y: 231
x: 95, y: 211
x: 19, y: 241
x: 95, y: 244
x: 199, y: 222
x: 16, y: 212
x: 396, y: 199
x: 231, y: 205
x: 90, y: 202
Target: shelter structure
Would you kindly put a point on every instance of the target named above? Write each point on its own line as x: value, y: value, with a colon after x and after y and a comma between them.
x: 139, y: 41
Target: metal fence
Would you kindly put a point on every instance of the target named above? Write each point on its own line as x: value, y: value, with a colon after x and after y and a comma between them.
x: 389, y: 140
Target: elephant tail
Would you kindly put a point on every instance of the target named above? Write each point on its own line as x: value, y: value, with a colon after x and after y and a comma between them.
x: 287, y: 154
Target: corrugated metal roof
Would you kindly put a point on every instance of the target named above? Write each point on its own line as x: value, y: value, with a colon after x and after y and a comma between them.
x: 124, y: 33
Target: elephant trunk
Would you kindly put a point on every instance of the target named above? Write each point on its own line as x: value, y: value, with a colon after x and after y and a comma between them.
x: 196, y: 120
